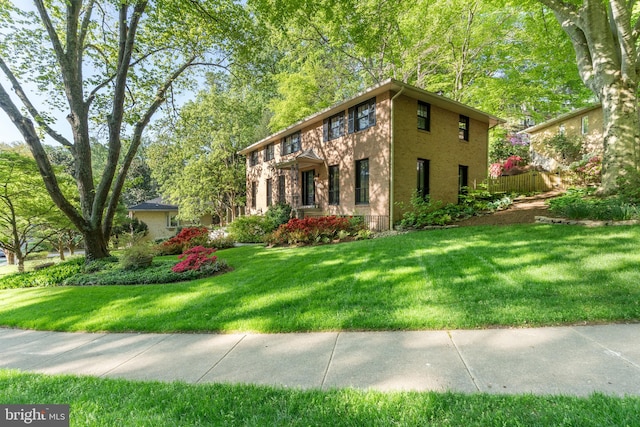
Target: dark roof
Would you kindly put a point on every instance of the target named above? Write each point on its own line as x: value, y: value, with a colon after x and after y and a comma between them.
x: 156, y: 204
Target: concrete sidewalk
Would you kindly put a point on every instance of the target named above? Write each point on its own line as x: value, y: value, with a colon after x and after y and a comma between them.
x: 564, y: 360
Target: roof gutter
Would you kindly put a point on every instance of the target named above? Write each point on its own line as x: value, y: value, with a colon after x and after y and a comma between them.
x: 392, y: 158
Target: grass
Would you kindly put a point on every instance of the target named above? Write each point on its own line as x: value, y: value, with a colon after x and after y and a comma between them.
x: 108, y: 402
x: 456, y: 278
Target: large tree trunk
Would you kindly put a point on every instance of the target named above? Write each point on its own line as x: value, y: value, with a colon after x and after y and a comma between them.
x: 95, y: 244
x: 605, y: 35
x: 621, y: 132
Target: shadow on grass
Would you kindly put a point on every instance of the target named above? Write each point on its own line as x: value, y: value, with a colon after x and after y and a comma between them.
x: 456, y: 278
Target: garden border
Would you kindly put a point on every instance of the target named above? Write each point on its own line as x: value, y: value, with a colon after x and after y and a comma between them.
x: 584, y: 222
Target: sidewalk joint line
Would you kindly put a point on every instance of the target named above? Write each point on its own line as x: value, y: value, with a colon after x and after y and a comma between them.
x: 333, y: 352
x: 164, y: 337
x: 609, y: 351
x: 221, y: 359
x: 95, y: 336
x: 464, y: 362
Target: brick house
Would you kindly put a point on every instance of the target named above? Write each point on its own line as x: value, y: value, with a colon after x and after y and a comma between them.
x: 585, y: 123
x: 367, y: 154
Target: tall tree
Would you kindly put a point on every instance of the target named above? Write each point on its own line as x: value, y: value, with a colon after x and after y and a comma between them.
x: 195, y: 160
x: 604, y: 35
x: 493, y: 55
x: 111, y: 65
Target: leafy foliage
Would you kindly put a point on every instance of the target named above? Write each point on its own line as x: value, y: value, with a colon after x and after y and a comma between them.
x: 196, y: 258
x: 567, y: 148
x: 251, y: 228
x: 588, y: 170
x: 425, y: 212
x: 629, y: 186
x: 583, y: 204
x: 50, y: 276
x: 137, y: 257
x: 205, y: 174
x: 504, y: 144
x: 186, y: 238
x: 157, y: 273
x: 280, y: 213
x: 315, y: 230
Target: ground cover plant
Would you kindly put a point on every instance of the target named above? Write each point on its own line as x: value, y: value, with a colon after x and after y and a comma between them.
x: 466, y: 277
x: 422, y: 211
x: 581, y: 203
x: 110, y: 402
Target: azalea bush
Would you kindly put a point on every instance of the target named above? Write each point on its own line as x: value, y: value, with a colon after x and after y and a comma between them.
x: 187, y: 238
x: 589, y: 170
x: 315, y: 230
x: 195, y: 258
x: 504, y: 144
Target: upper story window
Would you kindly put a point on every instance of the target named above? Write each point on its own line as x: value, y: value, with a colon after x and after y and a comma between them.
x: 253, y: 158
x: 290, y: 144
x: 268, y: 152
x: 333, y: 127
x: 424, y: 116
x: 362, y: 116
x: 463, y: 128
x: 585, y: 125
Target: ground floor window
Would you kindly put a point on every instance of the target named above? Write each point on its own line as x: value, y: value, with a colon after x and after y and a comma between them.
x: 463, y: 179
x: 269, y: 192
x: 172, y: 221
x: 423, y: 178
x: 308, y: 193
x: 334, y: 185
x: 254, y: 194
x: 282, y: 186
x: 362, y: 182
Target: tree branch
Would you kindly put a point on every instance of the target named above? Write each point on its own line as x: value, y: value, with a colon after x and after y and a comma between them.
x: 126, y: 42
x: 626, y: 38
x: 86, y: 20
x: 30, y: 107
x: 53, y: 36
x: 135, y: 143
x: 28, y: 131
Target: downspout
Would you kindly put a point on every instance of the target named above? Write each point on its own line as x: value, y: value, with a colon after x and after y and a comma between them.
x: 392, y: 159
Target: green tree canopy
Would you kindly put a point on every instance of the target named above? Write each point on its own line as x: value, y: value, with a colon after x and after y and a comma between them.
x: 195, y: 160
x: 110, y: 66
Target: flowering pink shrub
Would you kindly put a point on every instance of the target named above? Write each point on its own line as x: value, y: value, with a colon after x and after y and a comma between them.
x: 511, y: 162
x: 315, y: 230
x: 495, y: 170
x: 187, y: 237
x: 194, y: 259
x: 590, y: 171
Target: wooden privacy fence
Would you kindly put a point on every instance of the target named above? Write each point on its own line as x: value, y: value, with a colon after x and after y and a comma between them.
x: 529, y: 182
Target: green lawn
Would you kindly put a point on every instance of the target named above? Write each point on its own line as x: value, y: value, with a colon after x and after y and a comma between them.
x: 454, y: 278
x: 106, y: 402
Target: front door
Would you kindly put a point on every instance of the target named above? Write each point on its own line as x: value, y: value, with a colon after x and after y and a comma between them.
x: 308, y: 190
